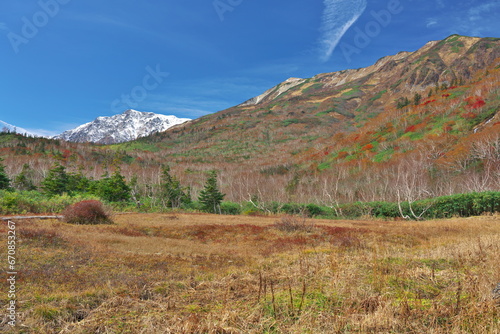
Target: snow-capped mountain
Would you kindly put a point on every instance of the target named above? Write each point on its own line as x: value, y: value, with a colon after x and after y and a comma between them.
x: 6, y: 127
x: 130, y: 125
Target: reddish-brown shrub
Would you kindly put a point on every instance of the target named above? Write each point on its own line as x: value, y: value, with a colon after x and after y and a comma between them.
x: 427, y: 102
x: 411, y: 128
x: 291, y: 223
x: 343, y: 155
x: 86, y: 212
x: 367, y: 147
x: 475, y: 102
x: 469, y: 115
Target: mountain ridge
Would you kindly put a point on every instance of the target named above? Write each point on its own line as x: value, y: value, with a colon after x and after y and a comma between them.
x: 4, y: 127
x: 343, y: 102
x: 130, y: 125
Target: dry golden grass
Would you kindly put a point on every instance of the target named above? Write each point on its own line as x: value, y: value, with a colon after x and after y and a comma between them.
x: 189, y: 273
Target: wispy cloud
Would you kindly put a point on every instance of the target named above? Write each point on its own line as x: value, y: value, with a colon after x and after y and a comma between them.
x: 3, y: 26
x: 431, y: 22
x: 477, y: 13
x: 44, y: 133
x: 478, y: 19
x: 338, y: 17
x: 440, y: 4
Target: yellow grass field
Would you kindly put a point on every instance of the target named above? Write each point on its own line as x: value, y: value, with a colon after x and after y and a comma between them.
x: 199, y: 273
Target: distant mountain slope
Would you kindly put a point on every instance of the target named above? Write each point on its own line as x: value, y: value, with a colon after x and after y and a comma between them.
x: 120, y: 128
x: 6, y: 127
x: 291, y: 122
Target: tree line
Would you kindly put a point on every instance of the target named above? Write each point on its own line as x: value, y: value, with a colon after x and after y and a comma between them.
x: 114, y: 188
x: 64, y: 188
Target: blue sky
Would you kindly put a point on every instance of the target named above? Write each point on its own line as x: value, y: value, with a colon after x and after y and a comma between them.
x: 66, y: 62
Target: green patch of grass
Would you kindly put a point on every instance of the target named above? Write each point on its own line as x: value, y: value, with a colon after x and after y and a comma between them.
x: 290, y: 121
x: 289, y: 303
x: 378, y: 96
x: 310, y: 138
x: 47, y: 312
x: 457, y: 93
x: 413, y: 135
x: 313, y: 88
x: 135, y: 146
x: 324, y: 165
x: 352, y: 93
x: 351, y: 157
x: 326, y: 112
x: 384, y: 155
x: 397, y: 83
x: 438, y: 264
x: 362, y: 109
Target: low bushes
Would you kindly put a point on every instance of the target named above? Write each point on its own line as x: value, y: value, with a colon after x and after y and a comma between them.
x: 462, y: 205
x: 23, y: 202
x: 459, y: 205
x: 86, y: 212
x: 230, y: 208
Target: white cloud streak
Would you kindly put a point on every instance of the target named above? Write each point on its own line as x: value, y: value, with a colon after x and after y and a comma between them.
x: 431, y: 22
x: 338, y: 17
x: 478, y: 12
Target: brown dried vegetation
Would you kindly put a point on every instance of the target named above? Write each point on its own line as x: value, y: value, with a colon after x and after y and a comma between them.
x: 158, y: 273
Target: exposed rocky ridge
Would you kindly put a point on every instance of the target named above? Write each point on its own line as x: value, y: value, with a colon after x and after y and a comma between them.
x: 437, y: 62
x: 283, y: 118
x: 274, y: 92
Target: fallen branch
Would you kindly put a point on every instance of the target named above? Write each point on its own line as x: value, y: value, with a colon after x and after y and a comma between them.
x: 31, y: 217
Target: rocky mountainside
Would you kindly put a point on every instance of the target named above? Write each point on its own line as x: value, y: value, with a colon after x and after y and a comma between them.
x: 453, y: 80
x: 121, y: 128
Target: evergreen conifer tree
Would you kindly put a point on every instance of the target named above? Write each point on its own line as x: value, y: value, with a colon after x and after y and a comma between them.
x: 4, y: 179
x: 416, y: 99
x: 113, y: 188
x: 175, y: 195
x: 24, y: 180
x: 210, y: 197
x: 57, y: 181
x: 78, y: 182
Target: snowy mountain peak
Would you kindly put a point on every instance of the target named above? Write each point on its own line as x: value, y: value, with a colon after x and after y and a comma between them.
x: 6, y: 127
x: 130, y: 125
